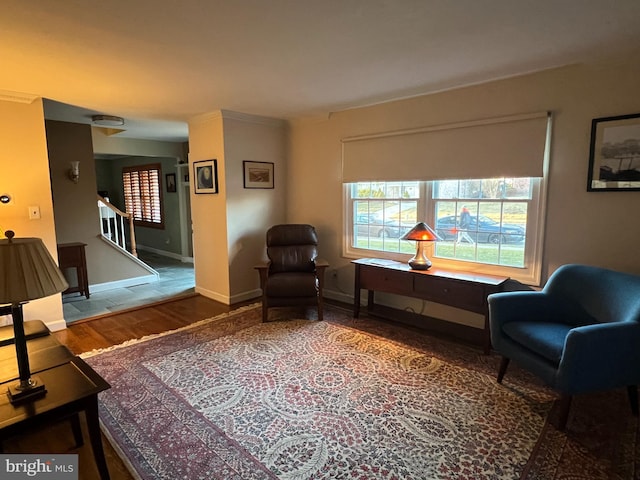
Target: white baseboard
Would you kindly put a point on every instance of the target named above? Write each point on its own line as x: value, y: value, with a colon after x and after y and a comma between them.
x: 213, y: 295
x: 56, y: 325
x: 240, y: 297
x: 257, y: 293
x: 339, y: 296
x: 164, y: 253
x: 250, y: 295
x: 127, y: 282
x: 53, y: 325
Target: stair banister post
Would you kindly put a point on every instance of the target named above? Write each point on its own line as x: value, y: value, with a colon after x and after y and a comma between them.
x: 134, y: 252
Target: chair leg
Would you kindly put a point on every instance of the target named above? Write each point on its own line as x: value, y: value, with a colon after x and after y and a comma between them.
x: 563, y: 414
x: 320, y: 308
x: 265, y: 312
x: 632, y: 391
x: 503, y: 368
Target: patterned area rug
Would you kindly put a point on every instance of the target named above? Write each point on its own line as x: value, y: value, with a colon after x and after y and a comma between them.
x: 232, y: 398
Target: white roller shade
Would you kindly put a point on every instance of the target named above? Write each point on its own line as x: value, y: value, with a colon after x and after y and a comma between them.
x: 498, y: 147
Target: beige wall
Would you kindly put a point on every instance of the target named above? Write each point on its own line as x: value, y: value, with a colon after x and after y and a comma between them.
x: 592, y: 228
x: 75, y: 204
x: 24, y: 174
x: 114, y: 145
x: 229, y: 227
x: 598, y: 228
x: 251, y: 212
x: 208, y: 211
x: 135, y: 151
x: 165, y: 240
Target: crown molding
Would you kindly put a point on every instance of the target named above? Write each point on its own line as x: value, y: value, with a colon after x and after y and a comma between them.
x: 241, y: 117
x: 18, y: 97
x: 248, y: 118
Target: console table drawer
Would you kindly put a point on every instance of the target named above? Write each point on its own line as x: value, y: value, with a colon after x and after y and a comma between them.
x: 450, y: 292
x: 386, y: 280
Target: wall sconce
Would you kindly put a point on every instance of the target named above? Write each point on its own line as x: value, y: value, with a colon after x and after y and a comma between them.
x: 74, y: 171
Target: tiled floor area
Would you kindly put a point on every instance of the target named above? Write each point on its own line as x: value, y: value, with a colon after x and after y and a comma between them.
x: 176, y: 278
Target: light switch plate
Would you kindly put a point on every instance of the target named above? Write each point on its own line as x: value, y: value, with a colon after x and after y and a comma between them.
x: 34, y: 212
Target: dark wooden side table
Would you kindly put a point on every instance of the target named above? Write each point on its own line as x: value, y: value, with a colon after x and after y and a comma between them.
x: 72, y: 255
x: 72, y: 388
x: 464, y: 290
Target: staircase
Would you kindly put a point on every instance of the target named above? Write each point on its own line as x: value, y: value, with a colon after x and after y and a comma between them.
x: 112, y: 223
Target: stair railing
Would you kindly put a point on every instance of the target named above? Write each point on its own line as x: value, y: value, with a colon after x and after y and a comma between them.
x: 112, y: 225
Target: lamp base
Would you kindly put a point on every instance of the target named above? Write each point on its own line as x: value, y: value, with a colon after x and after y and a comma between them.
x: 420, y: 265
x: 26, y: 390
x: 420, y: 260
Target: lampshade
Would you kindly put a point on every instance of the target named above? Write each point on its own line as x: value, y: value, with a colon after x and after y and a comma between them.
x: 421, y: 234
x: 421, y: 231
x: 27, y: 270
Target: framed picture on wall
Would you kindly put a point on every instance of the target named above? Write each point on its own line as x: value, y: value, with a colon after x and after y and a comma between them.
x: 258, y: 174
x: 171, y: 182
x: 205, y: 176
x: 614, y: 155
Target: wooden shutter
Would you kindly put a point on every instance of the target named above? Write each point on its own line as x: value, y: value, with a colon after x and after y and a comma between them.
x: 143, y: 194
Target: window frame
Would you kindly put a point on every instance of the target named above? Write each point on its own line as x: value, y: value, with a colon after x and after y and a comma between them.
x: 142, y: 221
x: 530, y: 274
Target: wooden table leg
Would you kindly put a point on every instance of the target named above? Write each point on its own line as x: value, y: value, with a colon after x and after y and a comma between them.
x: 356, y: 293
x: 77, y: 430
x: 370, y: 299
x: 96, y: 439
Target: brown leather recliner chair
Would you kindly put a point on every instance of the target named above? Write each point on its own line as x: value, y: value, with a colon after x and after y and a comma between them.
x: 293, y: 275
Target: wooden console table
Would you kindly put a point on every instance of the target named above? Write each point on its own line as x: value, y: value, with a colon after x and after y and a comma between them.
x: 464, y: 290
x: 71, y: 255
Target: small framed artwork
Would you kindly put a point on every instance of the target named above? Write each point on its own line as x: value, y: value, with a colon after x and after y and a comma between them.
x: 205, y: 176
x: 614, y: 155
x: 171, y: 182
x: 258, y: 174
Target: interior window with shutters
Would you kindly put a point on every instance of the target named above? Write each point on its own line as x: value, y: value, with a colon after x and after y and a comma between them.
x: 143, y: 194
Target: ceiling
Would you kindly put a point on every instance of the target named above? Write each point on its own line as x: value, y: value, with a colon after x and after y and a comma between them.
x: 158, y: 63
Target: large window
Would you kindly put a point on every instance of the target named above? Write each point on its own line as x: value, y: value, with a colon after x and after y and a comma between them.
x: 489, y: 220
x: 487, y: 225
x: 382, y: 212
x: 143, y: 194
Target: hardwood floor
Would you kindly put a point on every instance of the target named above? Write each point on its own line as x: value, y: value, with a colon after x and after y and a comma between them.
x: 102, y: 332
x: 105, y: 331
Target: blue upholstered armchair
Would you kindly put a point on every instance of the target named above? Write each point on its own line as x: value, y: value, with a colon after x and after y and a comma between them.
x: 581, y: 333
